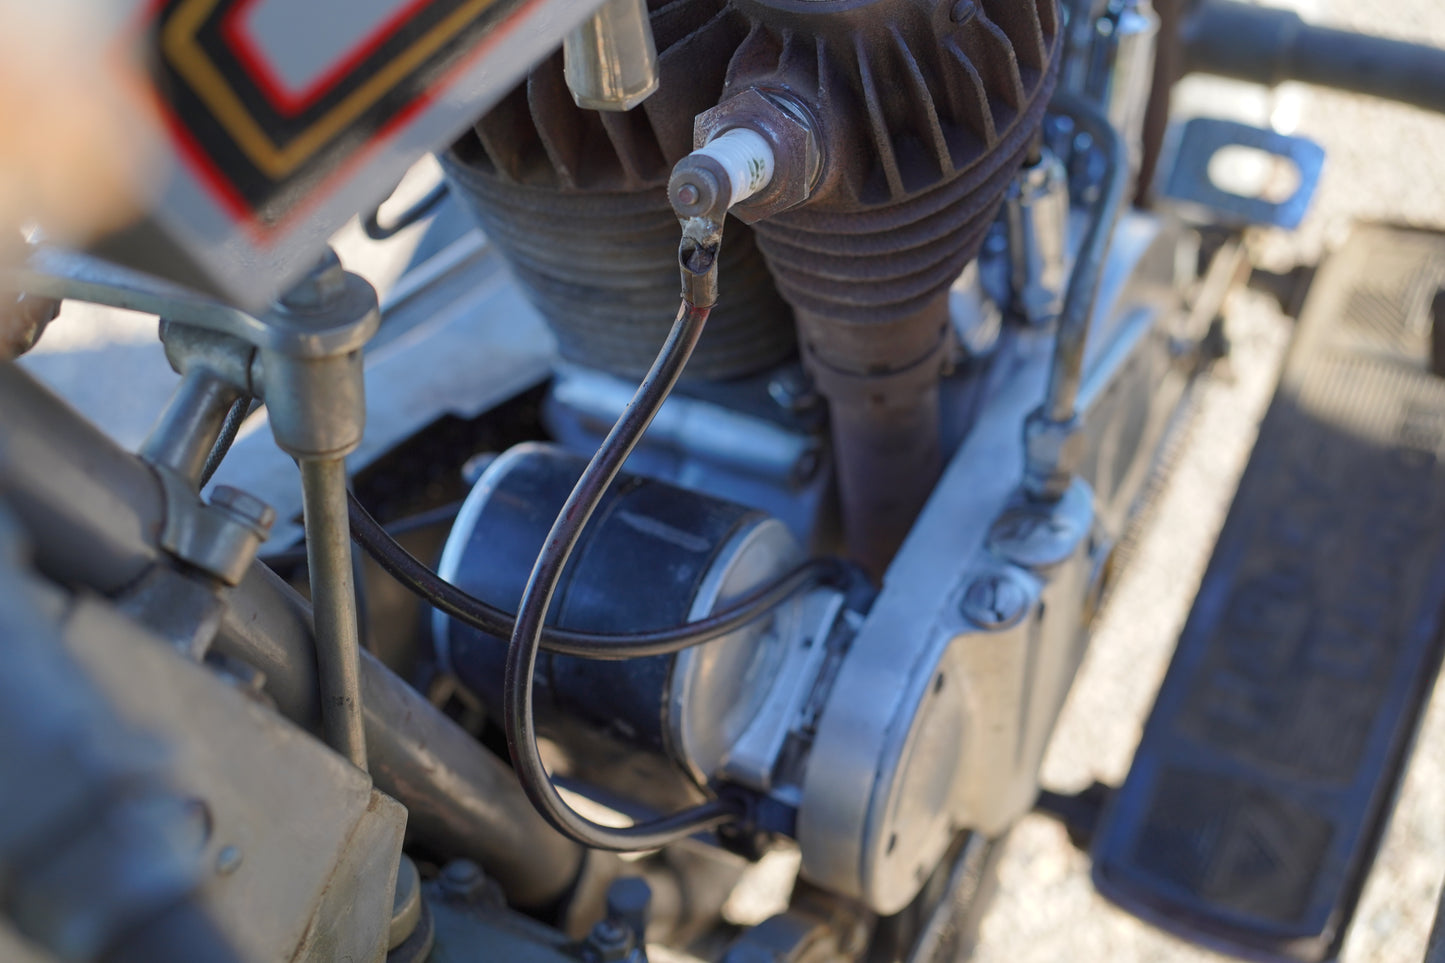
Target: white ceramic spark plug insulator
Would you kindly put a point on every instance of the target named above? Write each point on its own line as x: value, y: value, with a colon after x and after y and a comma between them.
x: 746, y: 156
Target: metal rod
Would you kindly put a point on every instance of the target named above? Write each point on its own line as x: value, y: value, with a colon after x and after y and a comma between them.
x: 1067, y: 373
x: 333, y: 596
x: 188, y: 428
x: 1267, y: 46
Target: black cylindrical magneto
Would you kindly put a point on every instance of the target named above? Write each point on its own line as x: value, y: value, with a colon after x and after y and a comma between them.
x: 656, y: 729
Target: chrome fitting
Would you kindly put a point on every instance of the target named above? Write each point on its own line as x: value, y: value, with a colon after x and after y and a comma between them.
x: 315, y: 399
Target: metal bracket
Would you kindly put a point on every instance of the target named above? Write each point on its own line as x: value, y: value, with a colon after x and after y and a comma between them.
x: 1202, y: 138
x: 220, y: 538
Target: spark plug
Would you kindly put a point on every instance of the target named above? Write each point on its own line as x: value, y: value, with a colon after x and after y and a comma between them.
x: 728, y: 170
x: 757, y: 154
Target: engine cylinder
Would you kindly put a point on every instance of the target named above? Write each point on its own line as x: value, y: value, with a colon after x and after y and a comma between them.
x: 654, y: 730
x: 925, y: 110
x: 577, y: 202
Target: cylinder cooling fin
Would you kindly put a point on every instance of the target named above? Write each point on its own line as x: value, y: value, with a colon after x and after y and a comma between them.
x: 924, y: 111
x: 577, y: 202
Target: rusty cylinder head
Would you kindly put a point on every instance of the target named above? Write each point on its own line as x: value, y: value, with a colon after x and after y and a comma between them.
x: 924, y: 110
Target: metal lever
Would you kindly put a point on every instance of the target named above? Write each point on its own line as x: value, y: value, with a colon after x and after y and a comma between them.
x: 303, y: 356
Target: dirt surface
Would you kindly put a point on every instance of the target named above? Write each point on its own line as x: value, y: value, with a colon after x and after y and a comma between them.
x: 1385, y: 163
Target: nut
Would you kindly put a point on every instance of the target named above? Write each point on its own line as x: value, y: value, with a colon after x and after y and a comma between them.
x: 791, y: 131
x: 1053, y: 451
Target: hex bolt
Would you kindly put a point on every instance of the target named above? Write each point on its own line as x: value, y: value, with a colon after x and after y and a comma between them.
x: 792, y: 392
x: 995, y: 601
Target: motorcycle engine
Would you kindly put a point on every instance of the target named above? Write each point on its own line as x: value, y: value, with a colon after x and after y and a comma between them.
x: 897, y: 126
x: 913, y: 118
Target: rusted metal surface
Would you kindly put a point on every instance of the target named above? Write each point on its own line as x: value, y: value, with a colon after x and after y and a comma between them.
x: 601, y: 268
x: 926, y: 110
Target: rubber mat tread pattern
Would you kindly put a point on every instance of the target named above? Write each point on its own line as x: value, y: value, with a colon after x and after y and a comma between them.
x: 1266, y: 768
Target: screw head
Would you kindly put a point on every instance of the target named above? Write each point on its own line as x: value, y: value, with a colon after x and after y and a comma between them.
x: 995, y: 600
x: 1042, y: 535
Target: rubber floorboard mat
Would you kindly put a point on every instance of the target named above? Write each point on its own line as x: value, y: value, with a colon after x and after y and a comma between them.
x: 1269, y: 763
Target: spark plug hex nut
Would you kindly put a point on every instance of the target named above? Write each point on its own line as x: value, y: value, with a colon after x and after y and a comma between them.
x: 791, y: 132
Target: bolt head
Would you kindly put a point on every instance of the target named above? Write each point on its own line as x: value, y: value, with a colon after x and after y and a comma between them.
x: 792, y: 392
x: 609, y: 942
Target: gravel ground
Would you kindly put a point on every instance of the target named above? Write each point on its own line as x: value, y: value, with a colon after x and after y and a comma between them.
x: 1384, y: 164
